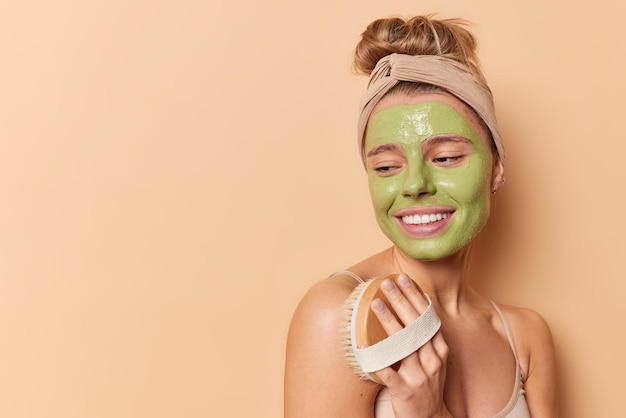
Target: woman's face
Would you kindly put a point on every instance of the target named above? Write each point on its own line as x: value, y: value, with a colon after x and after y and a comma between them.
x: 430, y: 172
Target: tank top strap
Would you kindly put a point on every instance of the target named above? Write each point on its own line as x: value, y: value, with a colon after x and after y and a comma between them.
x: 348, y: 273
x: 509, y: 335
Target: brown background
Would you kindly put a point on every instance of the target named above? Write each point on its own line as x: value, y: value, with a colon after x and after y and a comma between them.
x: 175, y: 175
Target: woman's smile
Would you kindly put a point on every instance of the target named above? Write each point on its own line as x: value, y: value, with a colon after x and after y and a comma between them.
x: 424, y: 222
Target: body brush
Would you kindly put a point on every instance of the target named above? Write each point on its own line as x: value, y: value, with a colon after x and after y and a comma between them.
x: 366, y: 345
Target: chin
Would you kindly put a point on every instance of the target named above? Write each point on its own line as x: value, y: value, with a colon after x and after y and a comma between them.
x: 430, y: 252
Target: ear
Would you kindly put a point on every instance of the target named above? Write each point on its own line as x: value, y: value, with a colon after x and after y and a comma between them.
x: 497, y: 176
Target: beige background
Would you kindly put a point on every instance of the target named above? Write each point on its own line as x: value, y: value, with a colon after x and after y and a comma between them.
x: 175, y: 175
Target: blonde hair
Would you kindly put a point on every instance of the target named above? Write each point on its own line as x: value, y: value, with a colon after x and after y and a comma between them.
x: 419, y: 35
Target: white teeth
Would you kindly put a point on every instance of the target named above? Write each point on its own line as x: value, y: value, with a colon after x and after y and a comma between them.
x: 423, y: 219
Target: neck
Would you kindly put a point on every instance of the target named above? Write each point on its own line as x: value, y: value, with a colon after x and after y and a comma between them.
x: 444, y: 280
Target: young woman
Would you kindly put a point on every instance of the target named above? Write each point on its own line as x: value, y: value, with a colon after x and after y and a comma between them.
x: 434, y: 157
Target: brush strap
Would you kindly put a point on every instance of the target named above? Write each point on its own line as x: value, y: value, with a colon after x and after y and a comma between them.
x: 401, y: 344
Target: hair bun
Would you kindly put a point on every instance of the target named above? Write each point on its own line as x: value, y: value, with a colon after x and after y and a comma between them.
x: 419, y: 35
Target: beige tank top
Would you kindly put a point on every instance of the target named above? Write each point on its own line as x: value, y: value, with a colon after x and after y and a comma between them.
x: 515, y: 408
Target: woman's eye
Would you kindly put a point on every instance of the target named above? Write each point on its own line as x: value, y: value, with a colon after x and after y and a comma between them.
x: 386, y: 169
x: 449, y: 160
x: 446, y: 159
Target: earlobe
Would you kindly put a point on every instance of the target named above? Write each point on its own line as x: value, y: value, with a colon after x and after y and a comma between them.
x: 498, y: 176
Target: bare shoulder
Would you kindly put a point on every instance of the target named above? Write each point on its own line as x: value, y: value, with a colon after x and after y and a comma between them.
x: 530, y: 329
x: 326, y: 296
x: 321, y: 308
x: 318, y: 380
x: 535, y: 349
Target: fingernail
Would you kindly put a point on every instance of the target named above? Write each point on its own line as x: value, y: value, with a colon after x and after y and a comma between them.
x: 378, y: 305
x: 388, y: 284
x: 404, y: 279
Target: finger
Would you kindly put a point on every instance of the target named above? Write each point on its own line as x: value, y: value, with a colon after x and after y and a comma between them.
x: 386, y: 317
x: 440, y: 346
x: 388, y: 376
x: 398, y: 302
x: 434, y: 354
x: 413, y: 293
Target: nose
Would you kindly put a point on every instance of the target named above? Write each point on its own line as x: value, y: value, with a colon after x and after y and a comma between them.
x: 417, y: 181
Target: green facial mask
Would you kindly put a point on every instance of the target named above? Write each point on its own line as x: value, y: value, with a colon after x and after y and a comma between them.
x: 429, y: 176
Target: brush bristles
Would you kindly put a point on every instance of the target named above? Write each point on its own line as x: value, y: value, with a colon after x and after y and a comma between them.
x: 346, y: 331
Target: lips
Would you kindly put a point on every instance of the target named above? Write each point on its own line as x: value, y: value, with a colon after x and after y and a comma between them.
x: 424, y: 222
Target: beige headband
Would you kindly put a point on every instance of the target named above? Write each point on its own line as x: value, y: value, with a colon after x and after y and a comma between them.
x: 431, y: 69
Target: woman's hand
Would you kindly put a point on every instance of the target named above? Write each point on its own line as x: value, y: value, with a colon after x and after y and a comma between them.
x: 416, y: 388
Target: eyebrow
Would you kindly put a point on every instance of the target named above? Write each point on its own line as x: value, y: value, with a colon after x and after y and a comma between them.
x: 384, y: 148
x: 443, y: 138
